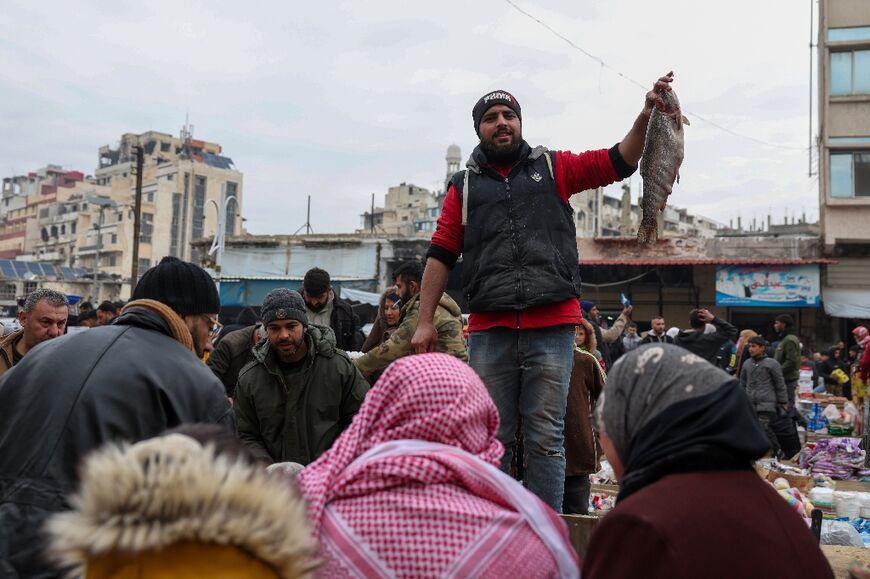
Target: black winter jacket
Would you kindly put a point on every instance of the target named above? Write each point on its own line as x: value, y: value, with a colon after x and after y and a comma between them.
x: 125, y: 382
x: 520, y: 245
x: 345, y: 324
x: 230, y: 356
x: 704, y: 345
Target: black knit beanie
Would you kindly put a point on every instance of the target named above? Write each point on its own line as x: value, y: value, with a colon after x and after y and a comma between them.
x: 496, y: 97
x: 283, y: 304
x: 185, y: 287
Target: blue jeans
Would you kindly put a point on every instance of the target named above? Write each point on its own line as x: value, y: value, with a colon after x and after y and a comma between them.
x: 527, y: 373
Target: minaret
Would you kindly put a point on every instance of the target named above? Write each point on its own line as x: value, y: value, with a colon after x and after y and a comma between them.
x: 454, y: 160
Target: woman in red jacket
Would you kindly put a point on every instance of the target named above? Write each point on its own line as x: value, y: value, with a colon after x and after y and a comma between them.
x: 681, y: 437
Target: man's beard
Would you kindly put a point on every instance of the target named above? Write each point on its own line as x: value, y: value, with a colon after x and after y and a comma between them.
x: 405, y: 296
x: 285, y: 356
x: 501, y: 154
x: 317, y: 308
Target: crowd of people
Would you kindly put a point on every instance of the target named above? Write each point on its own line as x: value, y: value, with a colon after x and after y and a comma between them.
x: 303, y: 448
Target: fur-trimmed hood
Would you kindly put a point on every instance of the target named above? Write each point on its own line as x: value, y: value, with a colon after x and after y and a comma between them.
x: 170, y: 490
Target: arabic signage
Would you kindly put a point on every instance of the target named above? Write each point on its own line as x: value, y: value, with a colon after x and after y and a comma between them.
x: 795, y: 286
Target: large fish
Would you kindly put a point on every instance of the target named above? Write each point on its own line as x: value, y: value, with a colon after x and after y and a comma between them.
x: 660, y: 163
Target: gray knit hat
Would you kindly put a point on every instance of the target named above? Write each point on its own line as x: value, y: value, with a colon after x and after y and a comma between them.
x: 283, y: 304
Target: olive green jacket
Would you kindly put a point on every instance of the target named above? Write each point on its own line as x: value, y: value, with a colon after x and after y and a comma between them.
x: 788, y: 354
x: 448, y: 324
x: 297, y: 421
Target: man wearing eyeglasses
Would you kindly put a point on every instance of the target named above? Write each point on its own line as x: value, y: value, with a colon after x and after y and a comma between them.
x: 127, y: 381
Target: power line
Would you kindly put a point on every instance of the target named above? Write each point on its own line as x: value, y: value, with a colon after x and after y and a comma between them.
x: 604, y: 65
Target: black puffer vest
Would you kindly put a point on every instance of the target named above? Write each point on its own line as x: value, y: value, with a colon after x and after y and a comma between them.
x: 520, y: 246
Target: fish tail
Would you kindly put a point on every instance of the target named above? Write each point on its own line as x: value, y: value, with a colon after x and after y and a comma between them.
x: 647, y: 233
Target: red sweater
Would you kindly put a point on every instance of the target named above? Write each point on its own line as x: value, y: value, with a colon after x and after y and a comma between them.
x: 573, y: 173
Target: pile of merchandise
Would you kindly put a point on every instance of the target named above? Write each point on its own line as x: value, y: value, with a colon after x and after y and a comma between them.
x: 793, y: 497
x: 600, y: 503
x: 838, y: 458
x: 863, y: 527
x: 602, y: 497
x: 816, y: 422
x: 835, y: 416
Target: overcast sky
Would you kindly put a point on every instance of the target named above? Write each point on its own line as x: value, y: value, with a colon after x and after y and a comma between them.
x: 340, y: 100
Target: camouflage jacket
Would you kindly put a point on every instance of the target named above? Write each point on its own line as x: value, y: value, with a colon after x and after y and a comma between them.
x: 448, y: 323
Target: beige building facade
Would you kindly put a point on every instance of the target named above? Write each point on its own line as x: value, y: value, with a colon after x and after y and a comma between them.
x: 844, y: 154
x: 66, y: 219
x: 410, y: 210
x: 186, y: 182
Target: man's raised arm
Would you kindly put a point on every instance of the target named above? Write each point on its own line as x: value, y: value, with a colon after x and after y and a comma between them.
x: 631, y: 147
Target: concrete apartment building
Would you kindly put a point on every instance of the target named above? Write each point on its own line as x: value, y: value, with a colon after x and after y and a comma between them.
x: 26, y: 198
x: 66, y: 219
x: 409, y: 210
x: 844, y: 155
x: 185, y: 180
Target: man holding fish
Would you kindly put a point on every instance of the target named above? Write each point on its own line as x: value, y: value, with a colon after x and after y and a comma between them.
x: 508, y: 216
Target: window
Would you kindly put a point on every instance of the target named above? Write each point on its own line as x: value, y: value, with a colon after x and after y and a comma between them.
x: 7, y: 291
x: 113, y: 260
x: 164, y: 147
x: 146, y: 228
x: 150, y: 197
x: 114, y: 238
x: 72, y: 227
x: 850, y: 174
x: 850, y: 72
x: 120, y: 216
x: 63, y: 229
x: 144, y: 265
x: 30, y: 286
x: 852, y: 34
x: 43, y: 213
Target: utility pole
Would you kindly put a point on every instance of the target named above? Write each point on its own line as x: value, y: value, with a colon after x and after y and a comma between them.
x: 307, y: 226
x: 97, y: 286
x: 810, y: 139
x: 137, y: 211
x: 308, y: 218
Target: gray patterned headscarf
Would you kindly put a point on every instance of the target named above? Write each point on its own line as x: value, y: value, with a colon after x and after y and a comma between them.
x: 645, y: 382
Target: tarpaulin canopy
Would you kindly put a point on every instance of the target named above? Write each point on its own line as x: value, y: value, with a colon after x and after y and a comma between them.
x: 846, y: 303
x: 360, y: 296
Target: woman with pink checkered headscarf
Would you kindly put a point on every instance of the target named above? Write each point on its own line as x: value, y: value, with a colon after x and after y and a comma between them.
x: 412, y: 488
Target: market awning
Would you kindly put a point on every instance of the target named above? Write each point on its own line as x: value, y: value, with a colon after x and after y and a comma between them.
x: 360, y: 296
x: 846, y: 303
x: 706, y: 261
